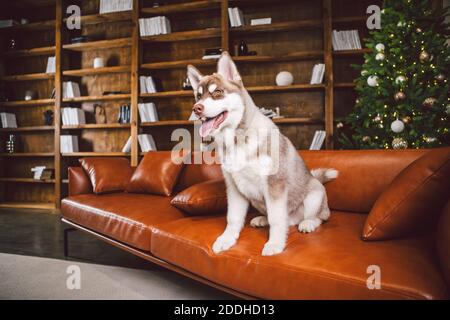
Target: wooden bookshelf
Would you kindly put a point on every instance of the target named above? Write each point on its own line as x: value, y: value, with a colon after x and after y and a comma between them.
x: 299, y: 37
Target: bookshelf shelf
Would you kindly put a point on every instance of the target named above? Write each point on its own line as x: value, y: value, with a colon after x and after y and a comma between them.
x: 346, y: 53
x: 350, y: 20
x: 43, y: 51
x: 105, y: 18
x: 28, y: 77
x: 99, y: 45
x: 27, y: 129
x: 26, y: 180
x: 279, y: 26
x: 28, y: 205
x: 96, y: 71
x: 110, y: 97
x: 97, y: 126
x: 305, y: 55
x: 95, y: 154
x: 349, y: 85
x: 32, y: 26
x: 27, y: 154
x: 182, y: 7
x: 27, y: 103
x: 184, y: 35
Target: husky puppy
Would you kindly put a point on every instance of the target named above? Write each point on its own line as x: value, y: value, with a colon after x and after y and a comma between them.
x: 277, y: 184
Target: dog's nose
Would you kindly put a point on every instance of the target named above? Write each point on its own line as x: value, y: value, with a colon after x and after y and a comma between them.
x: 198, y: 109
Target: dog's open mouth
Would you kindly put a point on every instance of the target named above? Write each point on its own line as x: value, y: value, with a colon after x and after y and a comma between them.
x: 209, y: 124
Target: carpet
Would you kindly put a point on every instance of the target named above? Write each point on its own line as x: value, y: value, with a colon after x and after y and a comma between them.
x: 27, y: 277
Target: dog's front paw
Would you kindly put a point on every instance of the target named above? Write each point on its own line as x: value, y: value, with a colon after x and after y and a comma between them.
x: 223, y: 243
x: 309, y: 225
x: 259, y: 222
x: 271, y: 249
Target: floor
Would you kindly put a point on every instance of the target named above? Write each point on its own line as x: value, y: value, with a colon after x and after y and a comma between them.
x: 40, y: 233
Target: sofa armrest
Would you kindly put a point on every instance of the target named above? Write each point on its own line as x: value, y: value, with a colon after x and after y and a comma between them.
x: 79, y: 182
x: 443, y: 242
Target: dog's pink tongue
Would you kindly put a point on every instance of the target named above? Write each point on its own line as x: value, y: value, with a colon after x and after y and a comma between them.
x: 206, y: 127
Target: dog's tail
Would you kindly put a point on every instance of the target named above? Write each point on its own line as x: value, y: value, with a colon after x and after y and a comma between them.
x: 325, y: 175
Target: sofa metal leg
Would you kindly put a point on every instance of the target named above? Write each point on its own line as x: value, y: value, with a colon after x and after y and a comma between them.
x: 66, y: 240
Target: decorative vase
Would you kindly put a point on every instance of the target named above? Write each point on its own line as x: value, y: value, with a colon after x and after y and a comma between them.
x: 11, y: 144
x: 48, y: 117
x: 284, y: 78
x: 242, y: 49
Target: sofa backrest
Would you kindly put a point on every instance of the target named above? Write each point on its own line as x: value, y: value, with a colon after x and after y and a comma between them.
x: 363, y: 174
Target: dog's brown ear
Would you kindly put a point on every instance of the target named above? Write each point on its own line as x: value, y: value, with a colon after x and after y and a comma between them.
x: 227, y: 69
x: 194, y: 76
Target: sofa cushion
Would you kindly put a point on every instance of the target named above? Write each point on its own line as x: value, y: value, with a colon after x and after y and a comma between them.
x: 107, y: 174
x: 125, y: 217
x: 363, y: 174
x: 204, y: 198
x: 330, y: 263
x: 443, y: 242
x: 413, y: 200
x: 157, y: 173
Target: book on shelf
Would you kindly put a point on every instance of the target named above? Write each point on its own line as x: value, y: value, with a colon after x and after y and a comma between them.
x: 72, y: 116
x: 154, y: 26
x: 124, y: 114
x: 346, y: 40
x: 148, y: 84
x: 317, y: 73
x: 211, y: 56
x: 319, y: 138
x: 8, y: 120
x: 42, y: 173
x: 107, y: 6
x: 147, y: 112
x: 261, y: 21
x: 51, y: 65
x: 71, y: 89
x: 68, y: 143
x: 127, y: 147
x: 8, y: 23
x: 236, y: 17
x: 146, y: 142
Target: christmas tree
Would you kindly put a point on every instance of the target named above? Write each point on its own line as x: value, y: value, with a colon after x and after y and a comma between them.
x: 403, y: 91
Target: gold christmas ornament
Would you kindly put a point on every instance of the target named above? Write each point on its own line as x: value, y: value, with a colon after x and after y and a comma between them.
x: 399, y: 143
x: 418, y: 30
x: 339, y: 125
x: 377, y: 119
x: 440, y: 77
x: 429, y: 102
x: 406, y: 119
x: 365, y: 138
x: 424, y: 56
x: 399, y: 96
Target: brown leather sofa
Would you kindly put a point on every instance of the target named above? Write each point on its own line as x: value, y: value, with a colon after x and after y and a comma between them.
x: 330, y: 263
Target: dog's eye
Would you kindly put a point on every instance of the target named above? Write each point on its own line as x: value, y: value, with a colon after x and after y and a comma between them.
x: 217, y: 93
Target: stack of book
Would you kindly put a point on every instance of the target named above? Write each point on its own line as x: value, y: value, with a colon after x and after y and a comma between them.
x: 69, y: 143
x: 212, y: 53
x: 51, y: 65
x: 319, y: 138
x: 8, y: 120
x: 147, y: 112
x: 317, y: 73
x: 107, y: 6
x: 42, y: 173
x: 146, y: 143
x: 124, y: 114
x: 72, y: 116
x: 71, y: 89
x: 236, y: 17
x: 148, y: 84
x: 154, y: 26
x: 346, y: 40
x: 8, y: 23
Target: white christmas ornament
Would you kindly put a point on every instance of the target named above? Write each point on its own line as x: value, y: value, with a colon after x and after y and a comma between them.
x: 401, y: 24
x: 447, y: 109
x: 284, y: 78
x: 364, y: 73
x: 379, y: 56
x: 372, y: 81
x: 397, y: 126
x: 400, y: 79
x: 380, y: 47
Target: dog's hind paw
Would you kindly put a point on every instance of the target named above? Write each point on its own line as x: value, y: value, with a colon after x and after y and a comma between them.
x: 271, y: 249
x: 223, y: 243
x: 259, y: 222
x: 309, y: 225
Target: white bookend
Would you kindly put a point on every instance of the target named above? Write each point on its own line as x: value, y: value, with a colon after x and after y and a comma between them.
x: 153, y: 113
x: 50, y: 65
x: 231, y: 18
x: 261, y: 21
x: 127, y: 147
x: 193, y: 117
x: 150, y: 84
x: 143, y: 85
x: 313, y: 75
x: 321, y: 73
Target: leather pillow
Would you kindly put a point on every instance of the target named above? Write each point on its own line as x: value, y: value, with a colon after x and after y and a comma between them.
x: 209, y: 197
x: 155, y: 174
x: 413, y: 199
x: 107, y: 174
